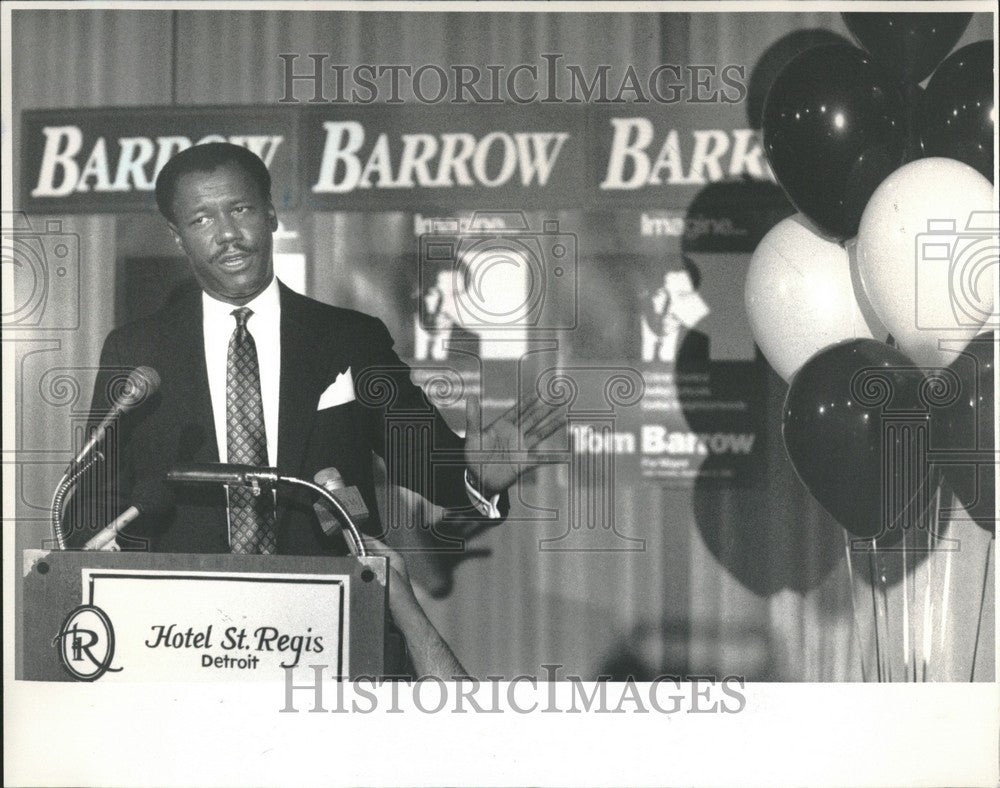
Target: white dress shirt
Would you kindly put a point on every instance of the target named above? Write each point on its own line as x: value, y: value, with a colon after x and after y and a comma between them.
x: 264, y: 326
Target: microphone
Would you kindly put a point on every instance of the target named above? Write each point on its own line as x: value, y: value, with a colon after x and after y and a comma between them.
x: 140, y: 385
x: 236, y: 475
x: 258, y: 477
x: 151, y: 497
x: 348, y: 497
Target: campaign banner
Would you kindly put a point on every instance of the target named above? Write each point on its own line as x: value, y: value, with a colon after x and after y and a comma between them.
x: 107, y: 160
x: 397, y: 157
x: 388, y: 157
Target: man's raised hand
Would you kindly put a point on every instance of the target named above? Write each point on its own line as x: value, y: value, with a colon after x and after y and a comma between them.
x: 501, y: 452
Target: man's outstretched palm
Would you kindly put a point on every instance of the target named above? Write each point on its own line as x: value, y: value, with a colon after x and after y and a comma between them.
x: 499, y: 453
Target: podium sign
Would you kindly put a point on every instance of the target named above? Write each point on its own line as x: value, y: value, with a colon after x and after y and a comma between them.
x: 165, y: 617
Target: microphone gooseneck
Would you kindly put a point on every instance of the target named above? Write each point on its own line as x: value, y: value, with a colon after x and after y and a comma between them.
x: 258, y: 478
x: 63, y: 490
x: 345, y: 517
x: 139, y: 385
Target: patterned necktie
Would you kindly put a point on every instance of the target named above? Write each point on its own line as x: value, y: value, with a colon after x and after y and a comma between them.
x: 251, y: 517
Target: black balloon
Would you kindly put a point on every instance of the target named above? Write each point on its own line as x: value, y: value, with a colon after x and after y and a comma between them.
x: 965, y: 429
x: 845, y: 440
x: 959, y: 114
x: 775, y: 58
x: 908, y: 45
x: 834, y: 128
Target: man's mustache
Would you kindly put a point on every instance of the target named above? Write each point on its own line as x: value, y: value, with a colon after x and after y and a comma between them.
x: 232, y: 251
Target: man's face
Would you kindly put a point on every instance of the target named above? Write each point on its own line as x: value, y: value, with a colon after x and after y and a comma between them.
x: 224, y: 225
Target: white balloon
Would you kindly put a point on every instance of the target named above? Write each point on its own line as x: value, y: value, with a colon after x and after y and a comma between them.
x: 800, y: 297
x: 927, y: 255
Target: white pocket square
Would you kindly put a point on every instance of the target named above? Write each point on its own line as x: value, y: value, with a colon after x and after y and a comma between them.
x: 338, y: 392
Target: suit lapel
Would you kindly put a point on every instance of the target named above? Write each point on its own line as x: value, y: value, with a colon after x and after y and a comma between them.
x: 305, y: 363
x: 197, y: 441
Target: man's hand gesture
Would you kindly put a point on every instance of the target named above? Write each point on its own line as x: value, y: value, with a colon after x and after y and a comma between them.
x: 497, y: 455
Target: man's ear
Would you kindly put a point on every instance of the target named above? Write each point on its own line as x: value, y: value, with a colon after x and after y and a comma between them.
x: 272, y: 217
x: 176, y: 235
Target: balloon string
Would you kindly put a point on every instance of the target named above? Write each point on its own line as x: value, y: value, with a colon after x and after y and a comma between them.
x: 928, y: 616
x: 885, y: 610
x: 947, y: 589
x: 854, y: 604
x: 878, y: 651
x: 982, y: 602
x: 932, y: 544
x: 914, y: 608
x: 907, y: 633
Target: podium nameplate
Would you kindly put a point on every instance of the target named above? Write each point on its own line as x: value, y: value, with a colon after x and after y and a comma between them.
x: 167, y: 617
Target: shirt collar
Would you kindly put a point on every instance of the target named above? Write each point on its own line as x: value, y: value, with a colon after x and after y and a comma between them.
x: 266, y: 306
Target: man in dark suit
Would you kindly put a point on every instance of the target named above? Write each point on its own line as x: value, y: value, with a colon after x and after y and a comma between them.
x: 438, y: 332
x: 669, y: 314
x: 254, y: 373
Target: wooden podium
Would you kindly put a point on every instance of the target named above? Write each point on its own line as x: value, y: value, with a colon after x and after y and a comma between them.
x: 131, y: 616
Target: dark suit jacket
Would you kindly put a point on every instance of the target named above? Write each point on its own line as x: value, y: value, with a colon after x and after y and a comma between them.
x: 391, y: 416
x: 692, y: 350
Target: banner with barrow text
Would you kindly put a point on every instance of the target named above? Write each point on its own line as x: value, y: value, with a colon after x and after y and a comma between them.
x: 393, y: 157
x: 597, y: 251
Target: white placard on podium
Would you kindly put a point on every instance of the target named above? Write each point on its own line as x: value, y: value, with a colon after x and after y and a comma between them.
x: 196, y: 626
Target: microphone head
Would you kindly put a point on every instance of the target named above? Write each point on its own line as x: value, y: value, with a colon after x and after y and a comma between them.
x: 153, y: 498
x: 351, y: 502
x: 140, y: 385
x: 329, y: 479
